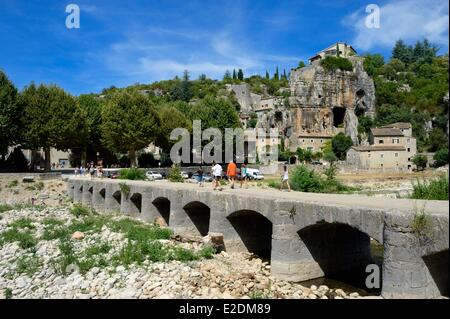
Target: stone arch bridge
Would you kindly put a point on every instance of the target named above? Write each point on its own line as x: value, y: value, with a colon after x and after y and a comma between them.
x: 305, y: 235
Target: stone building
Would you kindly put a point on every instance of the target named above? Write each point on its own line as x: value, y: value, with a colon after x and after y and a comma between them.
x: 391, y: 148
x: 338, y: 49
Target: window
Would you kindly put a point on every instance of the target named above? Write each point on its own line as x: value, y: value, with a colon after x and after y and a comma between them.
x: 396, y: 154
x: 312, y: 141
x: 381, y: 141
x: 369, y: 155
x: 321, y: 141
x: 409, y: 150
x: 382, y: 165
x: 408, y: 140
x: 382, y: 155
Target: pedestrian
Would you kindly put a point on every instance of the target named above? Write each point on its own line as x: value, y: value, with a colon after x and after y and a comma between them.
x: 217, y: 174
x: 231, y: 173
x: 244, y: 175
x: 285, y: 179
x: 92, y: 171
x: 200, y: 176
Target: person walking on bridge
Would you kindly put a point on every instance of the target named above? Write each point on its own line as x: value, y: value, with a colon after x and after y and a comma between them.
x: 285, y: 179
x: 231, y: 173
x: 217, y: 174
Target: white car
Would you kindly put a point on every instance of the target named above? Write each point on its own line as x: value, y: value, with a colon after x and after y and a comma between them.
x: 184, y: 175
x: 153, y: 176
x: 255, y: 174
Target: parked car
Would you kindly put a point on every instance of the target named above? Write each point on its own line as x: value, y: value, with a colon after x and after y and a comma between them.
x: 185, y: 175
x: 153, y: 176
x: 255, y: 174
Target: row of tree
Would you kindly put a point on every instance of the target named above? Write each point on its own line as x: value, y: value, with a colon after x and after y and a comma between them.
x: 122, y: 121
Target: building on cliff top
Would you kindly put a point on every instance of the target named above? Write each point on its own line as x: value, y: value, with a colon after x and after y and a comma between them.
x: 341, y: 49
x: 391, y: 148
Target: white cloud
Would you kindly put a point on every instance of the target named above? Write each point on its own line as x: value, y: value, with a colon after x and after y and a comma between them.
x: 409, y: 20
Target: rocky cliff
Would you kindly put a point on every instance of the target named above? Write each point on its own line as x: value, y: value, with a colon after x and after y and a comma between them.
x: 324, y: 103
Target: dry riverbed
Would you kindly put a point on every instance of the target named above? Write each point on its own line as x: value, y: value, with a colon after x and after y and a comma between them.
x: 67, y: 252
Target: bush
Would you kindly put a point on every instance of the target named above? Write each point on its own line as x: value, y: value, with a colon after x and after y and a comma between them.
x: 331, y: 64
x: 306, y: 180
x: 175, y: 174
x: 420, y: 161
x: 434, y: 190
x: 134, y: 174
x: 441, y: 158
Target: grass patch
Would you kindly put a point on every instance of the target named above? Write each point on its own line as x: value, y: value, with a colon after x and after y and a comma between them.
x: 8, y: 293
x: 12, y: 184
x: 28, y: 265
x: 25, y: 239
x: 5, y: 208
x: 437, y: 189
x: 79, y: 210
x: 135, y: 230
x: 23, y: 223
x: 35, y: 186
x: 257, y: 295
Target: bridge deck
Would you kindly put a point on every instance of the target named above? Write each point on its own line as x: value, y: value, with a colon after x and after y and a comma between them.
x: 404, y: 205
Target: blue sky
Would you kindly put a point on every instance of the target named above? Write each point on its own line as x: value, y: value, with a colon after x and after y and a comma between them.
x: 124, y: 42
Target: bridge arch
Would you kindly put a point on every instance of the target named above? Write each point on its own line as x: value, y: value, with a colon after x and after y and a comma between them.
x: 117, y: 195
x: 136, y: 200
x: 102, y: 193
x: 199, y: 215
x: 162, y: 205
x: 253, y: 232
x: 339, y: 251
x: 437, y: 266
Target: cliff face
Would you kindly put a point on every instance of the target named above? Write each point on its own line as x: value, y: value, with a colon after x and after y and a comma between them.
x: 323, y: 103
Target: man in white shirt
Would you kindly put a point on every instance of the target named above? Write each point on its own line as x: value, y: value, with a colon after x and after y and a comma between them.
x: 217, y: 174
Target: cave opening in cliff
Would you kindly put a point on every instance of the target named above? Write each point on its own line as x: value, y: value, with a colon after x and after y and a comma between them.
x: 338, y: 116
x: 279, y: 116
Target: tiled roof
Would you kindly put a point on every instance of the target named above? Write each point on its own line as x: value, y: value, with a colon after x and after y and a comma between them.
x: 372, y: 148
x: 386, y: 132
x: 401, y: 125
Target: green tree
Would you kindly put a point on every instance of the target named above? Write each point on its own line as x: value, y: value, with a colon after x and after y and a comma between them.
x: 420, y: 161
x: 10, y: 115
x: 51, y: 118
x: 267, y: 75
x: 402, y: 52
x: 441, y: 158
x: 171, y: 118
x: 130, y: 123
x: 240, y: 75
x: 276, y: 76
x: 372, y: 63
x: 301, y: 64
x: 183, y: 90
x: 253, y: 120
x: 341, y: 144
x: 216, y: 113
x: 227, y: 77
x: 234, y: 74
x: 437, y: 139
x: 91, y: 106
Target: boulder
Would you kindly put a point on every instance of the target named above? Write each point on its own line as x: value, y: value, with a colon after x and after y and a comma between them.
x: 78, y: 235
